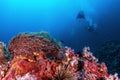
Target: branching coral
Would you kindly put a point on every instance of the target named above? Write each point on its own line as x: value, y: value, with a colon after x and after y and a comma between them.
x: 92, y: 69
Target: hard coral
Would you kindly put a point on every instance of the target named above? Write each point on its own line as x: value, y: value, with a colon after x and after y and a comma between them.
x: 28, y: 43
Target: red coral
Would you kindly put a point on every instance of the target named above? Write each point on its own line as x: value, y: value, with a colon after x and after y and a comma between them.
x: 95, y: 71
x: 92, y: 69
x: 27, y: 44
x: 42, y: 68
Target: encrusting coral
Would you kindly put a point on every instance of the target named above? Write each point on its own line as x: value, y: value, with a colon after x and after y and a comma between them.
x: 37, y: 56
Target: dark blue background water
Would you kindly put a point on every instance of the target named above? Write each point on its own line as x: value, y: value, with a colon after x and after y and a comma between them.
x: 58, y: 17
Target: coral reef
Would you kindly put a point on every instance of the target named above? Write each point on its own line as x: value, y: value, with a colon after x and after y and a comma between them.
x: 36, y: 56
x: 109, y: 52
x: 39, y: 66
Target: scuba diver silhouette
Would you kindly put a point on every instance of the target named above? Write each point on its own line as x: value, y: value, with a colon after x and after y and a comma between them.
x: 91, y: 26
x: 80, y: 15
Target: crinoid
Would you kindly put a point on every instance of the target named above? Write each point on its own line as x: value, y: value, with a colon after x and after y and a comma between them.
x: 63, y: 73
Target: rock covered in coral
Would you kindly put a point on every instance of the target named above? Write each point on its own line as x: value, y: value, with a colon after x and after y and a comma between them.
x: 39, y: 57
x: 27, y: 43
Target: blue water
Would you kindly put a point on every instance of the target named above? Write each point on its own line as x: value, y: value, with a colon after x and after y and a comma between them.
x: 58, y: 17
